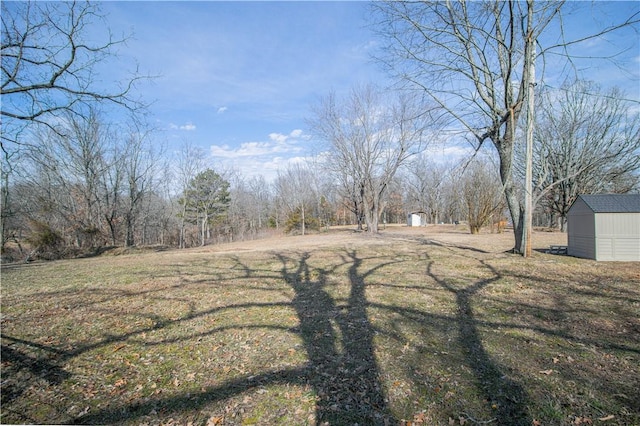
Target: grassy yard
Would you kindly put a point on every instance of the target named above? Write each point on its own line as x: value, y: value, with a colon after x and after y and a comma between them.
x: 396, y: 329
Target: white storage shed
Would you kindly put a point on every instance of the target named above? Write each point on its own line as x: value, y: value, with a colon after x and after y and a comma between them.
x: 416, y: 219
x: 605, y: 227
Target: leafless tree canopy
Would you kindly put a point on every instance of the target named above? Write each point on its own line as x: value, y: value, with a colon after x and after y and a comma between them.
x: 49, y: 67
x: 587, y: 142
x: 475, y: 60
x: 369, y: 138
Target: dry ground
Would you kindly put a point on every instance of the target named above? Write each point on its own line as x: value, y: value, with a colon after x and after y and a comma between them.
x: 415, y: 325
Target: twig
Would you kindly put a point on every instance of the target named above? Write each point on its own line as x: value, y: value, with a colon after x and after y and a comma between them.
x: 479, y: 422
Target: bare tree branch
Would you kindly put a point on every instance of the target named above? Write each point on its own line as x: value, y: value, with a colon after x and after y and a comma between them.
x: 48, y: 65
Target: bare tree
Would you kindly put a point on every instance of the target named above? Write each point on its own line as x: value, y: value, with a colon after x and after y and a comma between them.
x: 68, y: 170
x: 48, y: 64
x: 190, y: 162
x: 249, y: 209
x: 49, y: 74
x: 141, y: 158
x: 426, y: 181
x: 482, y: 194
x: 477, y: 61
x: 369, y: 137
x: 587, y: 141
x: 294, y: 191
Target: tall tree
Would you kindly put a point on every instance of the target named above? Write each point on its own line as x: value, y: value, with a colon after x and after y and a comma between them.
x: 295, y: 191
x: 67, y: 170
x: 49, y: 72
x: 206, y: 199
x: 476, y: 60
x: 190, y: 162
x: 587, y: 141
x: 49, y: 64
x: 369, y: 137
x: 141, y: 158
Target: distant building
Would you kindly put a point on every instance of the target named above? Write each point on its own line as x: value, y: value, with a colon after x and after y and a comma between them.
x: 605, y: 227
x: 416, y: 219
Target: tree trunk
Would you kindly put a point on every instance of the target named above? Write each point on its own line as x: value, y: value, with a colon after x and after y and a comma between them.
x: 505, y: 152
x: 112, y: 229
x: 129, y: 240
x: 205, y: 218
x: 184, y: 212
x: 563, y: 224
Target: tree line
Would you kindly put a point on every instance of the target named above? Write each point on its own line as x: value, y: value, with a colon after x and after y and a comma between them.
x: 74, y: 181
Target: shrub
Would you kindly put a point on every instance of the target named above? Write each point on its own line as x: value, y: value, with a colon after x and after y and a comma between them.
x: 294, y: 221
x: 44, y: 240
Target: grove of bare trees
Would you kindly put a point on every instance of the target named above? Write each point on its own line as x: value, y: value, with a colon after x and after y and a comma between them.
x: 477, y: 60
x: 587, y: 141
x: 82, y: 170
x: 370, y: 136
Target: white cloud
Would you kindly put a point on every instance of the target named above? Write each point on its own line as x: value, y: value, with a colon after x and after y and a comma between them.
x: 246, y: 149
x: 278, y: 143
x: 281, y: 139
x: 278, y: 137
x: 187, y: 126
x: 263, y: 157
x: 221, y: 110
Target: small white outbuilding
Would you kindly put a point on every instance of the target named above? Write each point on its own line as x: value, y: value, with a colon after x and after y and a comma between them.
x: 605, y: 227
x: 416, y: 219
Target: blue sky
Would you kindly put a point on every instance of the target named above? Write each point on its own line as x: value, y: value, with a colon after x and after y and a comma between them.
x: 239, y: 78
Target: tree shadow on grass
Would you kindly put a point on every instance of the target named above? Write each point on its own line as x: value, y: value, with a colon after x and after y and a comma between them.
x: 338, y: 339
x: 20, y: 369
x: 505, y: 395
x: 346, y: 381
x: 337, y: 335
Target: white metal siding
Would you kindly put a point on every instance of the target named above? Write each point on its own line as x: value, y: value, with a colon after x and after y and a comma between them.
x: 414, y: 220
x: 617, y: 236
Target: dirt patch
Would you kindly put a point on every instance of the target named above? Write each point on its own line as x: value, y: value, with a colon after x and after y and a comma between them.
x: 447, y: 234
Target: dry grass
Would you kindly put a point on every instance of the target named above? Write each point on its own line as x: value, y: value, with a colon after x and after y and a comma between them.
x: 428, y: 326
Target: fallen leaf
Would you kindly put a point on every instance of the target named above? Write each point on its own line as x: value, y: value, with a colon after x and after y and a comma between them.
x: 605, y: 418
x: 215, y: 421
x: 556, y: 360
x: 547, y: 372
x: 118, y: 347
x: 536, y: 423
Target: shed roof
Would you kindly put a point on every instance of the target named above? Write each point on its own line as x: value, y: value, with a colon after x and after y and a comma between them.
x: 613, y: 203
